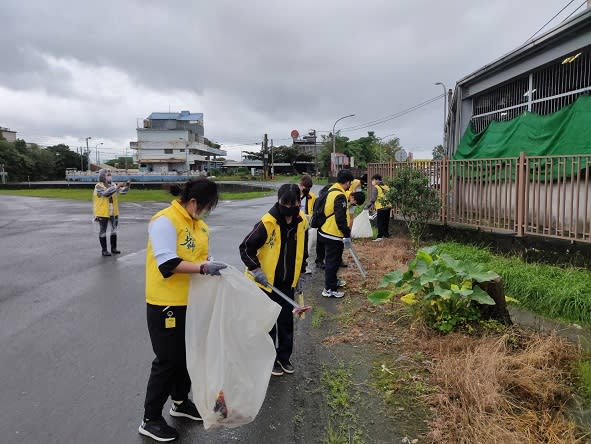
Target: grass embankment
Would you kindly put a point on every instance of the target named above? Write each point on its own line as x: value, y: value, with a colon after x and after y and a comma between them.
x: 562, y: 293
x: 132, y: 196
x: 512, y: 385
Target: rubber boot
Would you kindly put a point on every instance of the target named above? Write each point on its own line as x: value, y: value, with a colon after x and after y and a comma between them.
x: 114, y: 244
x: 103, y: 241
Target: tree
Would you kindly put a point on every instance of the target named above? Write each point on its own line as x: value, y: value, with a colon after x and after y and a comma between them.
x: 438, y: 152
x: 388, y: 149
x: 416, y: 201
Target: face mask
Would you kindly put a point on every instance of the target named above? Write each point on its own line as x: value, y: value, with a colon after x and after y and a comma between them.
x: 108, y: 179
x: 288, y: 212
x: 203, y: 215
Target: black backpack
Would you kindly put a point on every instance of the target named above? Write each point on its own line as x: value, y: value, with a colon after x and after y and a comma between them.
x: 318, y: 217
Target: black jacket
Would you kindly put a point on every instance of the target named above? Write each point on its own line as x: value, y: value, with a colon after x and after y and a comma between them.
x: 284, y: 270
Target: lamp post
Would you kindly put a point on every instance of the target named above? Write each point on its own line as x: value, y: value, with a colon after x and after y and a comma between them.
x: 96, y: 153
x: 334, y: 156
x: 444, y: 110
x: 88, y: 152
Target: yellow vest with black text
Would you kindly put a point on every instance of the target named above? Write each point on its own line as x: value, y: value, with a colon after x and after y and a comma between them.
x: 381, y: 190
x: 330, y: 226
x: 101, y: 204
x: 268, y: 254
x: 192, y: 245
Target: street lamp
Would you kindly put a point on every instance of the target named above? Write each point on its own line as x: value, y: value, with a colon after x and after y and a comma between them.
x: 444, y: 111
x: 88, y: 152
x: 96, y: 153
x: 334, y: 156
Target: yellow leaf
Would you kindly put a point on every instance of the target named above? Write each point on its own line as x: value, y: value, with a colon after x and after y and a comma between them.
x: 409, y: 298
x: 455, y: 287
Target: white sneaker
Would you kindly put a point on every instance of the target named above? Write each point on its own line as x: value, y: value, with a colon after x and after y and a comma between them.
x: 378, y: 239
x: 308, y: 271
x: 332, y: 293
x: 341, y: 283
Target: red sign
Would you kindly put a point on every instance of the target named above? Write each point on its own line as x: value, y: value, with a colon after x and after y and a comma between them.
x: 295, y: 134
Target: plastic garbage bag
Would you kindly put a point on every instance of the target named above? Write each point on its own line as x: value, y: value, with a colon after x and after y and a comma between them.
x: 361, y: 226
x: 230, y: 354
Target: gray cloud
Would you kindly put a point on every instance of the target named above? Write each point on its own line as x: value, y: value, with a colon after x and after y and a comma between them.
x: 252, y: 67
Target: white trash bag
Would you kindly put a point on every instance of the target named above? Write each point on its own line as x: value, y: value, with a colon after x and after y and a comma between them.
x: 230, y: 354
x: 361, y: 226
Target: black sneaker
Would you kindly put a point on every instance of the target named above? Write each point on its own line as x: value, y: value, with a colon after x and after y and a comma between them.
x: 287, y: 367
x: 186, y: 409
x: 277, y: 369
x: 158, y: 429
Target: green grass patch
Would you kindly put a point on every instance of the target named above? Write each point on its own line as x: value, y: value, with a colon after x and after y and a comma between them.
x: 317, y: 316
x: 558, y: 292
x: 584, y: 370
x: 342, y: 428
x: 132, y: 196
x: 401, y: 388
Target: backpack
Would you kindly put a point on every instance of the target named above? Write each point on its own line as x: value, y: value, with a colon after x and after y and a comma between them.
x: 318, y: 217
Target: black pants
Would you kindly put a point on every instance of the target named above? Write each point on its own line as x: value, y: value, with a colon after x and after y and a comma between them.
x: 282, y: 331
x: 320, y: 250
x: 334, y: 257
x: 169, y: 376
x: 383, y: 222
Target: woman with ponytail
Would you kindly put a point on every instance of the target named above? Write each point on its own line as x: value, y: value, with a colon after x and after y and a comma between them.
x: 177, y: 247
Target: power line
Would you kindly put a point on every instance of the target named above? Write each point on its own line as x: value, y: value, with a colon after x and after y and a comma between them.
x: 393, y: 116
x: 555, y: 15
x: 571, y: 14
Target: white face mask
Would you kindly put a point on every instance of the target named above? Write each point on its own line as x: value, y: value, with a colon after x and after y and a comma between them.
x: 203, y: 215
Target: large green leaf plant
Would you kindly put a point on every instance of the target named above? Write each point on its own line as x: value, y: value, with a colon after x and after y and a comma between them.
x: 438, y: 289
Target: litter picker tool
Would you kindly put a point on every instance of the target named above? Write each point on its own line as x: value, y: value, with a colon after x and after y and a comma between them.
x: 358, y: 262
x: 298, y: 310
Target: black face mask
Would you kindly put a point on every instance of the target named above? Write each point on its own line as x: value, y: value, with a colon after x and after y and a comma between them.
x: 288, y: 212
x: 306, y: 191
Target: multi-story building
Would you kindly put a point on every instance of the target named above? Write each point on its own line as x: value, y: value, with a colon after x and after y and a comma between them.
x: 9, y: 135
x: 174, y: 142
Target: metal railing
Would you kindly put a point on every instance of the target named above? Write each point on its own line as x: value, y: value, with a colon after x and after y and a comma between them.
x: 547, y: 196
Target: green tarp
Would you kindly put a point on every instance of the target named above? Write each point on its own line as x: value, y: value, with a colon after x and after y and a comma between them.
x: 565, y: 132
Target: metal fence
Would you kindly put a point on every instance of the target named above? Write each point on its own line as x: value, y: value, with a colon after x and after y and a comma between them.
x: 546, y: 196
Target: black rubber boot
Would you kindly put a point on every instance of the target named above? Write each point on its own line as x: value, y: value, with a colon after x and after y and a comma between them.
x: 114, y: 244
x: 103, y: 242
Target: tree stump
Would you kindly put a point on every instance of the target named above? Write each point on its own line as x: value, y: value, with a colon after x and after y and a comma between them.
x: 499, y: 312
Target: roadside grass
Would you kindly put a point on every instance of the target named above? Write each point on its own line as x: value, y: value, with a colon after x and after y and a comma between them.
x: 507, y: 385
x: 340, y: 396
x: 132, y: 196
x: 317, y: 316
x: 562, y: 293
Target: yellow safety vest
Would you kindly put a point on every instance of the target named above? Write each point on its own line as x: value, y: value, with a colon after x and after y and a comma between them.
x: 330, y: 226
x: 192, y: 246
x: 381, y: 190
x: 268, y: 254
x: 101, y: 204
x: 356, y: 183
x: 310, y: 203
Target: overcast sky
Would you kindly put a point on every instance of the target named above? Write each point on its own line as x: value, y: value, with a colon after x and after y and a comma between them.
x: 71, y: 69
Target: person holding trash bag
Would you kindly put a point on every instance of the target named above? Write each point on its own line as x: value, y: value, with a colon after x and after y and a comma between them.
x: 105, y: 205
x: 383, y: 212
x: 177, y: 247
x: 274, y: 253
x: 335, y: 233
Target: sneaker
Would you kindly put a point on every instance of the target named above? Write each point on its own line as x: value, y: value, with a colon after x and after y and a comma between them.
x: 341, y: 283
x: 115, y: 251
x: 185, y: 409
x: 287, y: 367
x: 308, y: 271
x: 277, y: 369
x: 378, y: 239
x: 158, y: 429
x: 105, y: 253
x: 332, y: 293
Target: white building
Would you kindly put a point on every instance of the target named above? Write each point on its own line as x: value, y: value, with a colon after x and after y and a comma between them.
x: 174, y: 142
x: 9, y: 135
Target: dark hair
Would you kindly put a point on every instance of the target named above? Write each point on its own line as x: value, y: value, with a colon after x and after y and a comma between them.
x: 203, y: 190
x: 344, y: 176
x: 377, y: 177
x: 289, y: 193
x: 306, y: 181
x: 359, y: 197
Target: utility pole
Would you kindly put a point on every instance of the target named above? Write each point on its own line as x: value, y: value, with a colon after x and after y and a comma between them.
x: 272, y: 162
x: 265, y: 159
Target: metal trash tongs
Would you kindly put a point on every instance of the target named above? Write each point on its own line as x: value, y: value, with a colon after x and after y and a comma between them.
x: 298, y: 310
x: 358, y: 262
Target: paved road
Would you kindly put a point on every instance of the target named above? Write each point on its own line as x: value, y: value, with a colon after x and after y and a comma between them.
x: 75, y: 347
